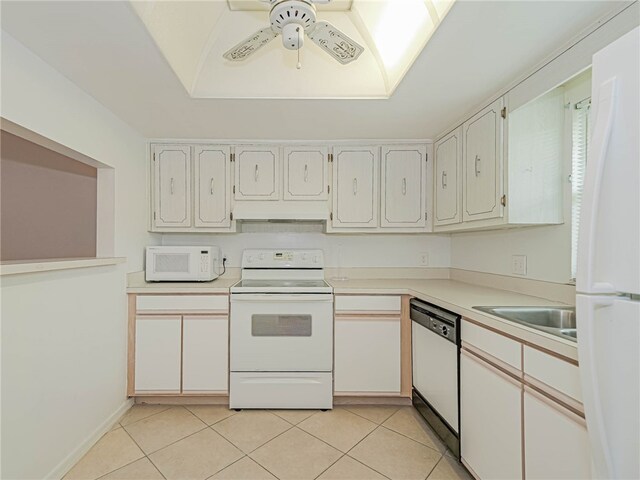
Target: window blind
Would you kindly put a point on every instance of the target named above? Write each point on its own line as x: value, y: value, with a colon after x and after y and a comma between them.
x: 579, y: 145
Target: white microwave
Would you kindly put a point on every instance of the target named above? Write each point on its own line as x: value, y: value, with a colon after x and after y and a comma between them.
x: 182, y: 264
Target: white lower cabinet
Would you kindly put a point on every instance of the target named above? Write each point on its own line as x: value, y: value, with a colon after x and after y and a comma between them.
x: 490, y: 420
x: 367, y: 354
x: 556, y: 443
x: 158, y: 353
x: 205, y: 354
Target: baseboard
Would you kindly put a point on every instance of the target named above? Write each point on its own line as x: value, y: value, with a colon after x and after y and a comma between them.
x: 371, y: 400
x: 183, y: 399
x: 70, y: 460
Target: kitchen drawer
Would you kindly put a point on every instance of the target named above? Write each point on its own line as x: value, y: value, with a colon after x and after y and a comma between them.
x: 182, y: 303
x: 552, y: 371
x: 367, y: 303
x: 499, y: 346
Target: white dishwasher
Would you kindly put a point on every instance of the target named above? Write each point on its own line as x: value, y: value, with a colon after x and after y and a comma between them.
x: 436, y: 353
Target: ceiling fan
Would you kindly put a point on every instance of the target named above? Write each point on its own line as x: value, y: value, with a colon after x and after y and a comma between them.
x: 293, y: 19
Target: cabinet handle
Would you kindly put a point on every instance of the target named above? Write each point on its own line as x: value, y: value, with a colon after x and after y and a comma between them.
x: 404, y: 186
x: 255, y: 173
x: 444, y: 179
x: 355, y: 186
x: 171, y: 185
x: 477, y: 163
x: 306, y: 173
x: 211, y: 186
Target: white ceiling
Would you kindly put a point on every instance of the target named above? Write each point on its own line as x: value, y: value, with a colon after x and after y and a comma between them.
x: 481, y: 46
x: 194, y: 35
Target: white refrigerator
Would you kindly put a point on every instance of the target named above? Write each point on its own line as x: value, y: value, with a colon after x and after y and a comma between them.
x: 608, y: 276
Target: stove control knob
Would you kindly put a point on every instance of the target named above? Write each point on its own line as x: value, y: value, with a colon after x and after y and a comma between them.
x: 249, y: 259
x: 304, y: 257
x: 261, y: 257
x: 316, y: 259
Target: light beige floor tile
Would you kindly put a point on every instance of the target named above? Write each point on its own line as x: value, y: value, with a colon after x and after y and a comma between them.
x: 294, y: 417
x: 449, y: 469
x: 349, y: 469
x: 339, y: 428
x: 296, y: 455
x: 249, y: 429
x: 243, y: 469
x: 211, y: 414
x: 377, y: 414
x: 407, y: 421
x: 141, y: 469
x: 114, y: 450
x: 138, y: 412
x: 157, y: 431
x: 395, y: 456
x: 196, y: 457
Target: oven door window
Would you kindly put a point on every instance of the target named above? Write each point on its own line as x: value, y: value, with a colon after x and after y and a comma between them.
x: 274, y: 325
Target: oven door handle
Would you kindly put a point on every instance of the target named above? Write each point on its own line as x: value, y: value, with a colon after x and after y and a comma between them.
x: 279, y: 298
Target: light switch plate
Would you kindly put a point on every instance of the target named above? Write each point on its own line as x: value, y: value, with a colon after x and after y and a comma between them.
x: 519, y: 264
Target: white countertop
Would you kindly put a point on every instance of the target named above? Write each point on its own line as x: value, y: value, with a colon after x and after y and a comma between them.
x: 459, y: 297
x: 137, y: 284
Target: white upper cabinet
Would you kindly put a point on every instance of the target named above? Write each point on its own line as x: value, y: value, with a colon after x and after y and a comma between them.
x: 212, y: 180
x: 257, y: 173
x: 355, y: 186
x: 482, y: 164
x: 448, y: 179
x: 306, y: 173
x: 403, y: 186
x: 172, y: 172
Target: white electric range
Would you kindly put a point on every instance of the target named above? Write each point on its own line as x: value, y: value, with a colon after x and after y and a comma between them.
x: 281, y: 350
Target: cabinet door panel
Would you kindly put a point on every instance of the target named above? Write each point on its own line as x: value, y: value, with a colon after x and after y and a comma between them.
x: 305, y: 173
x: 555, y: 440
x: 490, y: 420
x: 257, y: 173
x: 158, y: 354
x: 403, y: 186
x: 482, y: 162
x: 355, y: 187
x: 172, y: 171
x: 367, y: 354
x: 212, y: 179
x: 205, y: 354
x: 448, y: 179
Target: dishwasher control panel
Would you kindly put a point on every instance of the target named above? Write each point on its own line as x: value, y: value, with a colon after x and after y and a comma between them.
x: 439, y: 321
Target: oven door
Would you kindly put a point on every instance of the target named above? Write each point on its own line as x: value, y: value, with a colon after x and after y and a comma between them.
x: 281, y: 333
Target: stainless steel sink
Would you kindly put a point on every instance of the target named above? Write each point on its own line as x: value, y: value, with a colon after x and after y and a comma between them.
x: 560, y: 321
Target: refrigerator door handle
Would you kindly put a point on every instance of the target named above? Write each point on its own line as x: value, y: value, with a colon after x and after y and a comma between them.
x: 585, y: 281
x: 586, y: 307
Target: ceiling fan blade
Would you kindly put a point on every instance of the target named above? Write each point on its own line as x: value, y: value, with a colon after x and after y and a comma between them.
x: 335, y: 43
x: 250, y: 45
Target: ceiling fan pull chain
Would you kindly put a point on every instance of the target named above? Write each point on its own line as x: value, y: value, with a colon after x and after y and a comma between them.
x: 299, y: 65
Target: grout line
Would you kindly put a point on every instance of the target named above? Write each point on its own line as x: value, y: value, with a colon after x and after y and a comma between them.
x: 351, y: 449
x: 119, y: 468
x: 224, y: 468
x: 433, y: 468
x: 332, y: 464
x: 144, y: 418
x: 176, y: 441
x: 233, y: 412
x: 356, y: 413
x: 368, y: 466
x: 144, y: 453
x: 414, y: 440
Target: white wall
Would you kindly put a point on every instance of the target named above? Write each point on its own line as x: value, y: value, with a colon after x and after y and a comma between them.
x: 37, y: 97
x: 63, y: 365
x: 64, y: 333
x: 548, y: 249
x: 357, y: 250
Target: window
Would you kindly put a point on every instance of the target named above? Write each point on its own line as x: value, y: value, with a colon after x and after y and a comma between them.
x: 579, y: 145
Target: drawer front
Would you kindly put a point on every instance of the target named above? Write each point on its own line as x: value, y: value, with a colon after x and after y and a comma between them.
x: 182, y: 303
x: 558, y: 374
x: 499, y: 346
x: 367, y: 303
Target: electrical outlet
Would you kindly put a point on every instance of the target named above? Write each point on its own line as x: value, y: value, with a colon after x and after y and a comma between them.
x: 519, y: 264
x: 424, y: 259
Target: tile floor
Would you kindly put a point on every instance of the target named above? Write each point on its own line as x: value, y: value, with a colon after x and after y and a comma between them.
x: 212, y: 442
